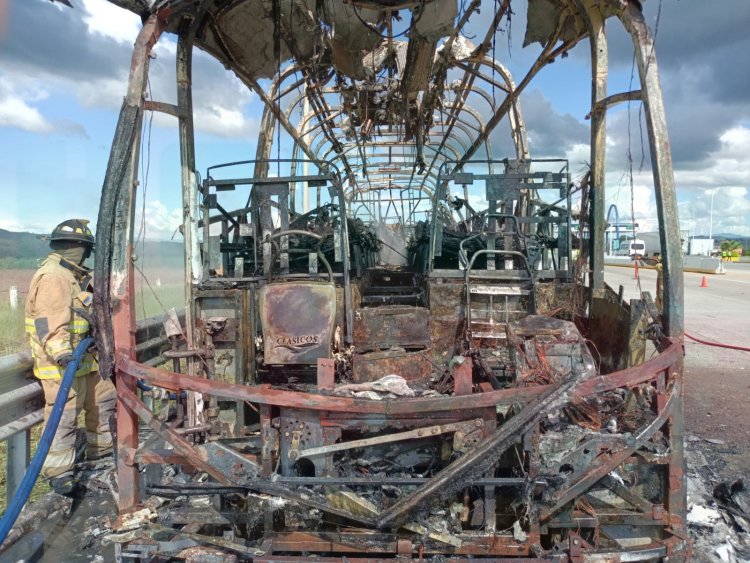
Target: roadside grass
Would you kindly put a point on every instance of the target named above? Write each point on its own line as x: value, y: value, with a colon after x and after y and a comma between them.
x: 12, y: 335
x: 13, y: 339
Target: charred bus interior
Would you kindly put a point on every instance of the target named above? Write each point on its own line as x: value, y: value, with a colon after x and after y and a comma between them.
x: 392, y: 347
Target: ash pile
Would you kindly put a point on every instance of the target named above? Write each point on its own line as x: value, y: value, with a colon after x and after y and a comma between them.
x: 718, y: 510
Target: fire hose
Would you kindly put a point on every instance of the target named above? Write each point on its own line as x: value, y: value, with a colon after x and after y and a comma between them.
x: 717, y: 344
x: 42, y: 449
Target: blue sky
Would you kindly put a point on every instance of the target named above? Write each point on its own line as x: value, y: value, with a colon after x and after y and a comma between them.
x: 63, y: 73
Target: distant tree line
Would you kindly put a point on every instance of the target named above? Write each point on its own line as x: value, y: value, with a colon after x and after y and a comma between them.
x: 13, y: 263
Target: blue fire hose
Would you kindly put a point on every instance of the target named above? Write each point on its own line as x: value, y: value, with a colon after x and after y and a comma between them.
x: 42, y: 449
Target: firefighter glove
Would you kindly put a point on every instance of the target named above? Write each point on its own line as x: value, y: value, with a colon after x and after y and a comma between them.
x: 64, y: 360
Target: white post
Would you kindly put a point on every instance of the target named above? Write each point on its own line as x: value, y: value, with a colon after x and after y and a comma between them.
x: 13, y: 297
x: 711, y: 225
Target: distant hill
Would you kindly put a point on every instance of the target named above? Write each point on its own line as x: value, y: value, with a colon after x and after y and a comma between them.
x: 23, y: 250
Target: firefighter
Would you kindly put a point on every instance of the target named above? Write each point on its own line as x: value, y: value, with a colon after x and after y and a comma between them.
x: 655, y: 261
x: 59, y: 298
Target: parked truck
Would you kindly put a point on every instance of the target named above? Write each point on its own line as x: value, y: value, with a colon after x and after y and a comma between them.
x: 629, y: 246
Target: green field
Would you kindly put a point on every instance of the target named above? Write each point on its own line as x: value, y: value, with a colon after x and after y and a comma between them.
x: 12, y: 336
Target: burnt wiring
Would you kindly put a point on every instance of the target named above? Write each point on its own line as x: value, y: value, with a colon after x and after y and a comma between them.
x: 629, y: 157
x: 145, y: 174
x: 406, y: 32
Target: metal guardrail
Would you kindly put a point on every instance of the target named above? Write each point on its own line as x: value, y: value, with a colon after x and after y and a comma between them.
x: 22, y: 400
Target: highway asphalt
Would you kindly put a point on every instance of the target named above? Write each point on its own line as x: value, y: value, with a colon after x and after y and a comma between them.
x: 717, y: 380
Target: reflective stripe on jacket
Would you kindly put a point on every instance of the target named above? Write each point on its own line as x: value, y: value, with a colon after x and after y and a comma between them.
x: 53, y: 327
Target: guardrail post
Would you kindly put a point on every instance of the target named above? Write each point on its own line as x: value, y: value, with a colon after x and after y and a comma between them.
x: 18, y: 454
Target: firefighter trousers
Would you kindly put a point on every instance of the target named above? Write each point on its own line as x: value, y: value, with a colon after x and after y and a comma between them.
x: 96, y: 398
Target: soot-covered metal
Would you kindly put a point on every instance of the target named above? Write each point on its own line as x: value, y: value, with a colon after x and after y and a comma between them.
x: 391, y: 348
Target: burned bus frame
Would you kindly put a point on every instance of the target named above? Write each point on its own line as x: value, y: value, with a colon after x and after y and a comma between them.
x: 360, y: 533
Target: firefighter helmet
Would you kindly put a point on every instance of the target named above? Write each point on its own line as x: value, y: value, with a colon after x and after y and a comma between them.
x: 73, y: 230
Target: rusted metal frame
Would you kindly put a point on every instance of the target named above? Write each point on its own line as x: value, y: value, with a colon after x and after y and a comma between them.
x: 612, y: 461
x: 375, y: 187
x: 479, y: 74
x: 306, y: 119
x: 599, y: 61
x: 181, y: 446
x: 268, y: 123
x: 115, y: 283
x: 463, y: 93
x: 364, y: 559
x: 669, y: 234
x: 193, y: 268
x: 480, y: 52
x: 661, y: 163
x: 162, y: 107
x: 577, y: 519
x: 518, y: 133
x: 640, y: 503
x: 438, y: 153
x: 200, y: 539
x: 398, y: 133
x: 421, y: 432
x: 482, y: 456
x: 367, y: 541
x: 471, y: 111
x: 515, y: 117
x: 548, y: 54
x: 408, y: 145
x: 631, y: 377
x: 300, y: 99
x: 252, y: 83
x: 613, y: 100
x: 468, y: 79
x: 265, y: 395
x: 158, y: 456
x: 430, y: 174
x: 323, y: 114
x: 184, y: 448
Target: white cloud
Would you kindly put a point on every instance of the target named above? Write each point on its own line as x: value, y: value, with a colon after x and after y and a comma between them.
x: 13, y: 224
x: 161, y: 222
x: 16, y: 110
x: 111, y: 21
x: 224, y: 122
x: 726, y: 174
x: 728, y: 177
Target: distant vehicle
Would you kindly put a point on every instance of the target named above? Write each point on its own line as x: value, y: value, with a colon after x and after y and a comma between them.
x: 631, y: 247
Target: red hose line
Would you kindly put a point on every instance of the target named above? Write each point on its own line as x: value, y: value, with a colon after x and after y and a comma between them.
x: 717, y: 344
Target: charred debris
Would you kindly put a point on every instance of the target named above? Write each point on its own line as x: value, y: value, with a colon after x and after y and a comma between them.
x: 392, y: 348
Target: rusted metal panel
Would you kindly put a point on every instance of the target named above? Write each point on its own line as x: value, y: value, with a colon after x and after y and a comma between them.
x: 380, y: 328
x: 325, y: 373
x: 297, y: 321
x: 608, y: 329
x: 462, y: 378
x: 446, y: 314
x: 412, y: 366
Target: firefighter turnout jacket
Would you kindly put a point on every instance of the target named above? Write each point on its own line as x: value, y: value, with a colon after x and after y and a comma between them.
x: 54, y: 327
